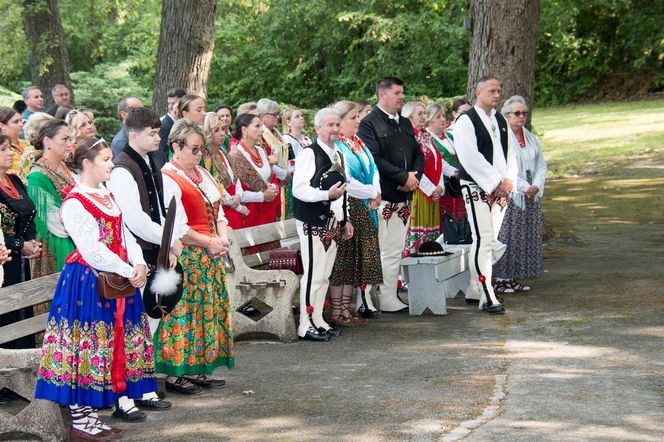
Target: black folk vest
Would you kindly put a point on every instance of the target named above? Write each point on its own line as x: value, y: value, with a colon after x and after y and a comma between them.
x: 150, y: 192
x: 318, y: 213
x: 484, y: 141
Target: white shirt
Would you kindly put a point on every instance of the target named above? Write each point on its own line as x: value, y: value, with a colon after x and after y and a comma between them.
x: 125, y: 190
x: 305, y: 168
x: 394, y: 117
x: 485, y: 174
x: 296, y: 144
x: 208, y: 186
x: 84, y: 231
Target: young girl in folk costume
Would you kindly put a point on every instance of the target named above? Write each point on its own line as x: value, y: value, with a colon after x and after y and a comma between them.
x: 215, y: 161
x: 95, y: 349
x: 250, y: 161
x: 196, y: 337
x: 425, y: 213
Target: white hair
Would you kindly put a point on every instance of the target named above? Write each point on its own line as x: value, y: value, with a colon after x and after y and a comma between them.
x: 408, y: 109
x: 322, y: 114
x: 507, y: 107
x: 265, y: 105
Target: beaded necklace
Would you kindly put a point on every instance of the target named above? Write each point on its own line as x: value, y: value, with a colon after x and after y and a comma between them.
x: 10, y: 189
x: 197, y: 179
x: 256, y: 158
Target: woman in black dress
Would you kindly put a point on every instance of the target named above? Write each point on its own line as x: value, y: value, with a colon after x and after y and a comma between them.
x: 17, y: 214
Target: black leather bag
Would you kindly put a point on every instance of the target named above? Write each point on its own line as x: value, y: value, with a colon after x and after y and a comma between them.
x: 456, y: 231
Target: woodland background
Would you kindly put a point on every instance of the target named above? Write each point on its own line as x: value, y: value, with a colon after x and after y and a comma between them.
x: 310, y: 53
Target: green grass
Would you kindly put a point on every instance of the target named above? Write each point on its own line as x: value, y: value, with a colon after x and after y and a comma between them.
x: 584, y: 140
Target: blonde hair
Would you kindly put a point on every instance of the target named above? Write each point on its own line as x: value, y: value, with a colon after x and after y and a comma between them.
x: 286, y: 117
x: 209, y: 124
x: 34, y: 125
x: 181, y: 130
x: 75, y: 119
x: 247, y: 108
x: 343, y: 107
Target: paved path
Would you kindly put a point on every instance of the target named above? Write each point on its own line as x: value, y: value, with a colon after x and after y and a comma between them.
x: 579, y: 358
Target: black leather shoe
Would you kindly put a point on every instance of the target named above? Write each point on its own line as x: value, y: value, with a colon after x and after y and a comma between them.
x: 314, y: 335
x: 161, y: 395
x: 131, y: 415
x: 332, y: 331
x: 366, y: 313
x: 403, y: 310
x: 206, y: 383
x: 180, y: 386
x: 153, y: 404
x: 493, y: 309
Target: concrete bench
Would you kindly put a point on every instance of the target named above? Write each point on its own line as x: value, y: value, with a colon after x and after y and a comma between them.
x: 434, y: 279
x: 41, y: 420
x: 268, y: 293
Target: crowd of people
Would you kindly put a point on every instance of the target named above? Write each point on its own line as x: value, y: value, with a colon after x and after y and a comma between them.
x: 372, y: 185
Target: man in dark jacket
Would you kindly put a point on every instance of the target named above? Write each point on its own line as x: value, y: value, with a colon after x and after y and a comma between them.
x: 400, y: 162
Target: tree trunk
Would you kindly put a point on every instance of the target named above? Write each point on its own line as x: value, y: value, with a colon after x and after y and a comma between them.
x: 49, y: 61
x: 504, y: 44
x: 186, y: 43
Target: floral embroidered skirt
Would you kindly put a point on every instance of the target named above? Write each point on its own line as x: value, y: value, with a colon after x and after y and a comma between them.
x: 424, y: 223
x: 78, y: 344
x: 523, y: 232
x: 196, y: 337
x: 358, y: 259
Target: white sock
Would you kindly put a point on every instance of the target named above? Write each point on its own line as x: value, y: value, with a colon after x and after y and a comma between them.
x: 82, y: 419
x: 125, y: 403
x: 151, y: 396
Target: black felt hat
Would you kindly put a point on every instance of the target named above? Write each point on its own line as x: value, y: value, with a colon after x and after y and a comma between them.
x: 430, y: 248
x: 159, y: 304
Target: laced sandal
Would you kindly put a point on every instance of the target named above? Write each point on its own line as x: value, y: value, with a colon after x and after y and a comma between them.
x: 86, y: 426
x: 183, y: 385
x: 503, y: 286
x: 518, y: 287
x: 204, y: 382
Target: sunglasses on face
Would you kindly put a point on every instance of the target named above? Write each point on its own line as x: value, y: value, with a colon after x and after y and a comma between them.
x: 519, y: 114
x: 194, y: 149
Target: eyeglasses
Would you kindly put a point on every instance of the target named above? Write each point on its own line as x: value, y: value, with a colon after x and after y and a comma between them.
x: 194, y: 149
x: 519, y: 114
x: 275, y: 115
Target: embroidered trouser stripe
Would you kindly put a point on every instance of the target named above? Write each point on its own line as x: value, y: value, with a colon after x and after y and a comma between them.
x: 317, y: 263
x: 485, y: 224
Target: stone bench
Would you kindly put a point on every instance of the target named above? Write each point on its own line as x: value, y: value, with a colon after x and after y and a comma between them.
x: 41, y: 420
x: 269, y: 293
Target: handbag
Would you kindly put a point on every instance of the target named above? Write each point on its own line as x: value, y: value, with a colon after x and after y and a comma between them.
x: 113, y: 286
x: 452, y: 187
x: 456, y: 231
x: 286, y: 259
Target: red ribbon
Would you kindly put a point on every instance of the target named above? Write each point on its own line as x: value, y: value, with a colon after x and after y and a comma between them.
x: 118, y: 378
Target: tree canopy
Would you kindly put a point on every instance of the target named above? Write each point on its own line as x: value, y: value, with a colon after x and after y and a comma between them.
x: 311, y: 53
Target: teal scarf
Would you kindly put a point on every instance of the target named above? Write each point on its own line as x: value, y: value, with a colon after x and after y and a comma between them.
x: 358, y: 170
